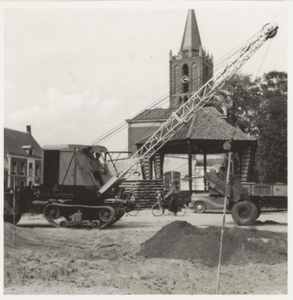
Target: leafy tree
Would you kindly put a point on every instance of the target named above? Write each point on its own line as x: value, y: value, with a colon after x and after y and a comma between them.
x: 260, y: 107
x: 240, y: 98
x: 271, y: 156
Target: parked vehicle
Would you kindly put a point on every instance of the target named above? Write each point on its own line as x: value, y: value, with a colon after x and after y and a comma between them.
x: 202, y: 202
x: 245, y: 200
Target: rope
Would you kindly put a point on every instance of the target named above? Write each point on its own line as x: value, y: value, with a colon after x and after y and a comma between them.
x: 223, y: 224
x: 264, y: 58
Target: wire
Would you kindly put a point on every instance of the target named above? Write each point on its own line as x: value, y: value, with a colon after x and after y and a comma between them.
x: 264, y: 57
x: 165, y: 98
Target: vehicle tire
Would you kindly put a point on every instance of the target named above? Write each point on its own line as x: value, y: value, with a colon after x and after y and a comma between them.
x: 157, y: 210
x: 181, y: 210
x: 244, y: 213
x: 135, y: 210
x: 258, y: 212
x: 51, y: 212
x: 9, y: 219
x: 199, y: 207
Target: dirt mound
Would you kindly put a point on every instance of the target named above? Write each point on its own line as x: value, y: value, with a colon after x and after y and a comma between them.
x: 181, y: 240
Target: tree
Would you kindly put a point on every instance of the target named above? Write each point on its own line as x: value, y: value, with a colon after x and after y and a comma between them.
x: 260, y: 107
x: 240, y: 98
x: 271, y: 156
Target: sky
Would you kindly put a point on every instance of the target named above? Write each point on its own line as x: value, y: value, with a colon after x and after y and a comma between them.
x: 76, y: 72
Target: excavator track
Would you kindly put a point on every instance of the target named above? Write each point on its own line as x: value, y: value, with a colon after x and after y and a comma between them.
x: 106, y: 215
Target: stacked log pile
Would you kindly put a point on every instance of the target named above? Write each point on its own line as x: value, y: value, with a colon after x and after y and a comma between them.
x: 145, y: 192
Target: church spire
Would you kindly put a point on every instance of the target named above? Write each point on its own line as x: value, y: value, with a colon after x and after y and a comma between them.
x: 192, y: 67
x: 191, y: 38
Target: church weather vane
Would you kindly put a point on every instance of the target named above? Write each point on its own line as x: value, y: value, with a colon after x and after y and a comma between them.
x: 185, y: 79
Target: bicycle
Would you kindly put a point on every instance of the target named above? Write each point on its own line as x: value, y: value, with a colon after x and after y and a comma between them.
x: 132, y: 208
x: 159, y: 207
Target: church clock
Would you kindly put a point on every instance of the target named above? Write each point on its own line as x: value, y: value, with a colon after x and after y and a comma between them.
x: 185, y: 78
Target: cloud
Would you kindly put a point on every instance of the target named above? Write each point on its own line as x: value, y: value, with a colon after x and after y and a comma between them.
x: 64, y: 118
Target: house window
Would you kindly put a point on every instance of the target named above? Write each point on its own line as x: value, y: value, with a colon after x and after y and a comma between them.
x: 22, y: 183
x: 22, y: 168
x: 37, y: 170
x: 30, y: 169
x: 14, y: 168
x: 28, y: 149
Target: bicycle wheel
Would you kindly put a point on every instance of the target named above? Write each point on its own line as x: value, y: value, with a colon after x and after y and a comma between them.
x: 135, y: 208
x: 181, y: 210
x: 157, y: 210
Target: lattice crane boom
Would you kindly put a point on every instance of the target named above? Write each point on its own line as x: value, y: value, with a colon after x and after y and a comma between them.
x: 185, y: 112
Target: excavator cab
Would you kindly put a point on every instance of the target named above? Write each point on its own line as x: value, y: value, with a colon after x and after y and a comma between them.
x: 74, y: 171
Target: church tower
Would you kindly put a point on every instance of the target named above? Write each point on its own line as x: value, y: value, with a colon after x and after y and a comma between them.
x: 192, y: 67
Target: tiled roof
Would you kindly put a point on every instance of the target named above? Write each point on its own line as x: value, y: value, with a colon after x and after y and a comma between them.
x: 207, y: 124
x: 14, y: 140
x: 153, y: 114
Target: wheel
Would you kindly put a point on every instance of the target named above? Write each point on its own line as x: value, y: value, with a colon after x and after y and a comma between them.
x: 258, y: 211
x: 9, y: 219
x: 244, y: 213
x: 199, y: 207
x: 134, y: 209
x: 181, y: 210
x: 157, y: 210
x: 106, y: 214
x: 63, y: 224
x: 96, y: 224
x: 51, y: 212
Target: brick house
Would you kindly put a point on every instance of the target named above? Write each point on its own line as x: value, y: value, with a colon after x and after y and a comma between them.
x: 22, y: 158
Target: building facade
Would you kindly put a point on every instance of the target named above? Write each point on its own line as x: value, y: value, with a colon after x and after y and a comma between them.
x: 22, y: 158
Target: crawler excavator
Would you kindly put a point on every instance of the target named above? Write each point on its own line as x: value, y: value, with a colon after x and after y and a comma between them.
x: 76, y: 184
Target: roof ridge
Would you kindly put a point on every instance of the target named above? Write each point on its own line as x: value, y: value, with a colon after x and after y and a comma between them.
x: 16, y: 130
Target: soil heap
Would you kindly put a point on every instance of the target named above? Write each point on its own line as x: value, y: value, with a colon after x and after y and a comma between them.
x: 181, y: 240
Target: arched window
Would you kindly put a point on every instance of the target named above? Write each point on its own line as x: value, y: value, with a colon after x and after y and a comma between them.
x: 185, y: 99
x: 176, y: 80
x: 194, y: 77
x: 180, y: 101
x: 206, y: 74
x: 185, y: 78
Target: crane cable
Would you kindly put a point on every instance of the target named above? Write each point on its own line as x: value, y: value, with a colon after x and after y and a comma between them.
x: 264, y: 58
x: 164, y: 99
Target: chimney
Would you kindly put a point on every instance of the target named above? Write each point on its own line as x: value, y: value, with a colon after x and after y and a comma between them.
x: 28, y: 129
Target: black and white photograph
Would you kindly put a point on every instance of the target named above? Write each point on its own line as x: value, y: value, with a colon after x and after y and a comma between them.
x: 145, y: 148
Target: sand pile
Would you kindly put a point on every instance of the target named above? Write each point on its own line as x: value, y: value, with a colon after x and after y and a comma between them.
x: 181, y: 240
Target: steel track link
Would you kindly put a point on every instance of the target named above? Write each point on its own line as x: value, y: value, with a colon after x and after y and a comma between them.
x: 54, y: 224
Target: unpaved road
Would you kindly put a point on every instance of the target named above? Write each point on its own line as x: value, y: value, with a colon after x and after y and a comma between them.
x: 271, y: 221
x: 78, y: 261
